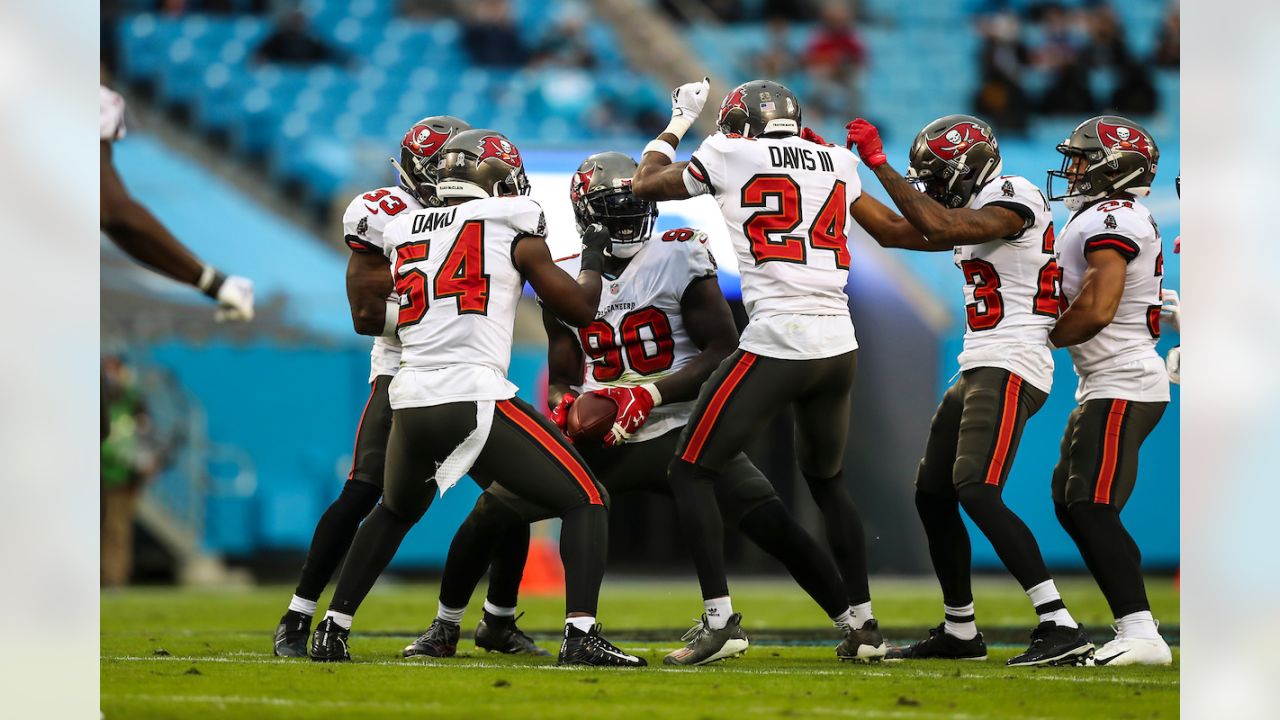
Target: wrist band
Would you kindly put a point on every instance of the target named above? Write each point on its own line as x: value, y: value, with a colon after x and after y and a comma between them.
x: 660, y: 146
x: 653, y: 391
x: 392, y: 319
x: 210, y: 281
x: 679, y: 125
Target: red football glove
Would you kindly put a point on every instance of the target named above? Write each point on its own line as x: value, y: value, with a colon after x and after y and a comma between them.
x: 867, y: 139
x: 635, y: 402
x: 560, y: 413
x: 813, y: 137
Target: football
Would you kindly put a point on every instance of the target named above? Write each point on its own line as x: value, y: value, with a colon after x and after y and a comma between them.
x: 591, y: 417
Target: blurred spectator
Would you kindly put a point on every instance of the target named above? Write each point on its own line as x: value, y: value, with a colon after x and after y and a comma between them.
x: 491, y: 36
x: 834, y: 60
x: 1062, y: 54
x: 1167, y: 47
x: 293, y: 43
x: 835, y: 41
x: 1133, y: 92
x: 1001, y: 98
x: 1107, y: 46
x: 778, y: 60
x: 128, y: 461
x: 566, y: 44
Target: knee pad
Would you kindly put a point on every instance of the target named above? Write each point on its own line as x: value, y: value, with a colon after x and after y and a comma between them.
x: 491, y: 515
x: 977, y: 498
x: 358, y: 497
x: 931, y: 505
x: 821, y: 485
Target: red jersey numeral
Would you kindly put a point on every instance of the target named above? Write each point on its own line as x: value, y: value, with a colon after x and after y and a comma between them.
x: 1049, y: 299
x: 390, y: 204
x: 827, y: 232
x: 1153, y: 320
x: 987, y: 308
x: 677, y: 235
x: 638, y: 328
x: 462, y: 272
x: 411, y: 284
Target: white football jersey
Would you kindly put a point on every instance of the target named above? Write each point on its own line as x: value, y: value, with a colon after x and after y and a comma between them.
x: 363, y: 224
x: 1012, y: 287
x: 110, y: 114
x: 638, y: 335
x: 1120, y: 362
x: 786, y: 203
x: 458, y: 291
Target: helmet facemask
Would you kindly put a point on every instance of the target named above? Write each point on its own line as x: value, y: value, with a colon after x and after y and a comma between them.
x: 627, y: 218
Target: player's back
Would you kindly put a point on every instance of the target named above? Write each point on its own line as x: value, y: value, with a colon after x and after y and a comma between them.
x: 1126, y: 226
x: 786, y: 202
x: 458, y: 290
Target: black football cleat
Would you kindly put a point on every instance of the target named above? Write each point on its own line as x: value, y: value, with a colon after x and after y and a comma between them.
x: 329, y: 643
x: 941, y: 645
x: 440, y: 641
x: 500, y: 634
x: 292, y: 634
x: 864, y: 644
x: 1054, y: 644
x: 704, y: 645
x: 590, y: 648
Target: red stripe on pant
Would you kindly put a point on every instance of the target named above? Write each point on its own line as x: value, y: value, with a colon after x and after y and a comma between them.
x: 716, y: 404
x: 355, y: 447
x: 1004, y: 437
x: 1110, y: 451
x: 549, y: 442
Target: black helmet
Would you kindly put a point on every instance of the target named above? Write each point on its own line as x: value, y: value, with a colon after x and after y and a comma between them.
x: 759, y: 107
x: 601, y: 193
x: 1119, y: 155
x: 480, y: 164
x: 952, y: 158
x: 418, y: 150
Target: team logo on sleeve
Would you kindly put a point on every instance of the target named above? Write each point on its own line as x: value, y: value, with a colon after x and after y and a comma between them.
x: 731, y: 101
x: 362, y: 227
x: 1109, y: 222
x: 1007, y: 188
x: 1121, y: 138
x: 424, y: 141
x: 958, y: 140
x: 500, y: 148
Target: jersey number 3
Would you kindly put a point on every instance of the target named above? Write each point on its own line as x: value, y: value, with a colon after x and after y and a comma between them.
x: 825, y: 233
x: 461, y: 275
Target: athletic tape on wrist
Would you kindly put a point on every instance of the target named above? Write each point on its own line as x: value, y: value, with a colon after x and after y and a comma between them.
x: 653, y: 392
x: 661, y: 146
x: 679, y: 125
x: 391, y: 320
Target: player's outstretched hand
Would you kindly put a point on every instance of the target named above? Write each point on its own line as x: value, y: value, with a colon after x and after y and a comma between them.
x: 635, y: 402
x: 866, y: 138
x: 811, y: 136
x: 1171, y: 309
x: 595, y: 244
x: 560, y: 413
x: 235, y: 300
x: 688, y: 100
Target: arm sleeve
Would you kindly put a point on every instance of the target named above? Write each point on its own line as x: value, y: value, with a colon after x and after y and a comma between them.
x: 528, y: 219
x: 1015, y: 194
x: 359, y: 233
x: 1121, y: 229
x: 705, y: 172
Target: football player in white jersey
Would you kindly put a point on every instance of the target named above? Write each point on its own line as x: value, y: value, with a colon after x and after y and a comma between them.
x: 458, y: 271
x: 1112, y: 267
x: 785, y: 201
x: 363, y: 223
x: 144, y: 238
x: 661, y: 329
x: 1000, y: 230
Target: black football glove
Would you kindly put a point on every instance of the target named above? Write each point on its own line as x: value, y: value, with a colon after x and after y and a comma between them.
x: 595, y: 241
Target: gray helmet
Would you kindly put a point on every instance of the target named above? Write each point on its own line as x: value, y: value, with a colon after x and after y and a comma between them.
x: 952, y: 158
x: 1120, y: 156
x: 480, y: 164
x: 601, y: 193
x: 418, y: 150
x: 759, y: 107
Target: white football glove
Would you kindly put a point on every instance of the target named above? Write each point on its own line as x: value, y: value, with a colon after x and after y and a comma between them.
x: 1171, y: 309
x: 1173, y: 363
x: 687, y: 102
x: 235, y: 300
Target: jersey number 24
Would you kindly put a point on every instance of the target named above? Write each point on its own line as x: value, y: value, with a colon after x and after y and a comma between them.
x: 826, y: 232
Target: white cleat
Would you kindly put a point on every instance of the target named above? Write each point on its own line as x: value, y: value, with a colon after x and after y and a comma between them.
x: 1134, y: 651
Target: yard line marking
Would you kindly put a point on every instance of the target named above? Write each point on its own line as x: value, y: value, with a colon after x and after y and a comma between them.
x: 725, y: 669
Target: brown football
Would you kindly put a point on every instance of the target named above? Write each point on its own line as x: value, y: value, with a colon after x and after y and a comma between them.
x: 591, y: 417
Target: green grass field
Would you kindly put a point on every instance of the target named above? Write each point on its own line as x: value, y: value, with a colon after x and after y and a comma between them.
x: 172, y: 653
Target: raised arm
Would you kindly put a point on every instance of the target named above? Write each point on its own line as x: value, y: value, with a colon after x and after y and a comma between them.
x: 659, y: 176
x: 142, y: 237
x: 1095, y: 305
x: 369, y: 283
x: 575, y: 302
x: 947, y: 227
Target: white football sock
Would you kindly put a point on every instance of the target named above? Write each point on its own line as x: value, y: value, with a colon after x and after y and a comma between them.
x: 860, y: 614
x: 582, y: 623
x: 1046, y: 594
x: 303, y: 605
x: 844, y: 618
x: 448, y: 614
x: 343, y: 620
x: 959, y: 627
x: 1138, y: 625
x: 718, y: 612
x: 498, y: 611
